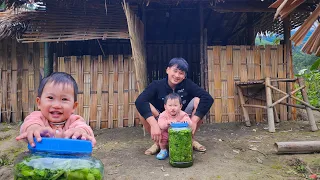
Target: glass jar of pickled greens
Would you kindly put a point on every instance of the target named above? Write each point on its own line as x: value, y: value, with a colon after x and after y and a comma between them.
x: 59, y: 159
x: 180, y: 145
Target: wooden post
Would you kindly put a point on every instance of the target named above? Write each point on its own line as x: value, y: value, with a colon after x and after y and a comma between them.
x: 308, y: 109
x: 277, y: 120
x: 205, y: 46
x: 244, y: 110
x: 250, y: 33
x: 269, y: 107
x: 288, y: 59
x: 48, y: 60
x: 202, y: 74
x: 136, y: 27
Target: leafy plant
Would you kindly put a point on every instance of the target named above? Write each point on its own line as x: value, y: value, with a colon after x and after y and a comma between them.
x: 180, y: 147
x: 312, y: 79
x: 53, y: 168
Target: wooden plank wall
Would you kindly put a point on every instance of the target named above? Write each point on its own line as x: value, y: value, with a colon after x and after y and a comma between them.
x: 228, y: 64
x: 107, y: 89
x: 20, y: 69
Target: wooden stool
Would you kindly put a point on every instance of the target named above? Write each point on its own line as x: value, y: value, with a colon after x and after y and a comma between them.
x: 270, y: 105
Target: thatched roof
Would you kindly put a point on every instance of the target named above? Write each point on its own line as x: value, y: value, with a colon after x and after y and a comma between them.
x: 313, y: 43
x: 66, y: 20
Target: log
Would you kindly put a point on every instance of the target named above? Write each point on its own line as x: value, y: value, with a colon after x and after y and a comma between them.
x: 297, y: 147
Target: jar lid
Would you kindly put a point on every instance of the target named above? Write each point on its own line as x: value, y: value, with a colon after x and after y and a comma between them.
x: 62, y: 146
x: 179, y: 124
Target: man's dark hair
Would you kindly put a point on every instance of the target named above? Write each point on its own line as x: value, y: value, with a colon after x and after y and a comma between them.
x: 172, y: 96
x: 59, y: 78
x: 181, y: 63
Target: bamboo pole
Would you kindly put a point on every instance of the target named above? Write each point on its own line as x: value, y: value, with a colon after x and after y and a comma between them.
x: 99, y: 92
x: 14, y: 76
x: 269, y: 109
x: 111, y: 92
x: 105, y: 93
x: 93, y: 92
x: 255, y: 106
x: 86, y: 88
x: 20, y: 50
x: 1, y: 87
x: 9, y: 81
x: 120, y: 91
x: 287, y: 58
x: 297, y: 147
x: 31, y: 78
x: 277, y: 120
x: 308, y: 109
x: 25, y: 82
x: 135, y: 27
x: 244, y: 110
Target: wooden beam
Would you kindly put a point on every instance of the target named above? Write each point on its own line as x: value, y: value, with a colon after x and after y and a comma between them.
x: 251, y: 7
x: 136, y: 27
x: 288, y: 59
x: 202, y: 74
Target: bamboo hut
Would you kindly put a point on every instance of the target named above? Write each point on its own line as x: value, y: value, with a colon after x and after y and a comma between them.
x: 115, y: 48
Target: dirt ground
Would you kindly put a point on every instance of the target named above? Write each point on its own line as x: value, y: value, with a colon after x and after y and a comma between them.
x: 233, y: 152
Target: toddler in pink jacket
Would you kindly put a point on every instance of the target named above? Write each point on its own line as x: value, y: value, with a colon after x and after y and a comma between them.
x: 57, y: 101
x: 172, y: 113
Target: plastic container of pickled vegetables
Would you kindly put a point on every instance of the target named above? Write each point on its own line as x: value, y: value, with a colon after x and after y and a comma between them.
x: 180, y: 145
x: 59, y: 159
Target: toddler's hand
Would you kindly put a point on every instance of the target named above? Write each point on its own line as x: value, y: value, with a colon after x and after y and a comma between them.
x: 35, y: 131
x: 79, y: 133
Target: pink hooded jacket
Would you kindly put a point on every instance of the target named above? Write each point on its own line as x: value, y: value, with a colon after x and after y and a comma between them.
x: 74, y: 121
x: 165, y: 119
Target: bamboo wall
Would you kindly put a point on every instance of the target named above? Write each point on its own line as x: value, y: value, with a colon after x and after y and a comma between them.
x: 20, y: 73
x: 107, y: 89
x: 229, y: 64
x: 107, y: 85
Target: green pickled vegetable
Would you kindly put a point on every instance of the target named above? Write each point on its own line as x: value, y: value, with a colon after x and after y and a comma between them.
x: 53, y: 168
x: 180, y: 147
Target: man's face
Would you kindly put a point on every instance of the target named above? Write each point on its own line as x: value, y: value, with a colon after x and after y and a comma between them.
x: 175, y: 76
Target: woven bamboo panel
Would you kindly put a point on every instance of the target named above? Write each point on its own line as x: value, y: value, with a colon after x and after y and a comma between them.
x: 229, y: 64
x: 20, y: 74
x: 108, y: 88
x: 77, y: 24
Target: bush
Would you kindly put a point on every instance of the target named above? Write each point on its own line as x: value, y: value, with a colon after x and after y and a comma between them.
x: 312, y: 81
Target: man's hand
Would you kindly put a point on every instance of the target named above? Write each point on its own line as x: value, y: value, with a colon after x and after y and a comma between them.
x: 195, y: 120
x: 36, y: 131
x: 79, y: 133
x: 155, y: 133
x: 155, y: 129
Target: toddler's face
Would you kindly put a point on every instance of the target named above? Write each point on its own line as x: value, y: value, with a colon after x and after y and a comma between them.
x: 173, y: 106
x: 57, y: 102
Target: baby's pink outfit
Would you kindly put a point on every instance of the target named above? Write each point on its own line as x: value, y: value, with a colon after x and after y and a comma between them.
x: 74, y: 121
x: 164, y: 121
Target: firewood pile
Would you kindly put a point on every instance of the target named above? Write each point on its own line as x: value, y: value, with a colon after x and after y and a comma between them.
x: 284, y: 8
